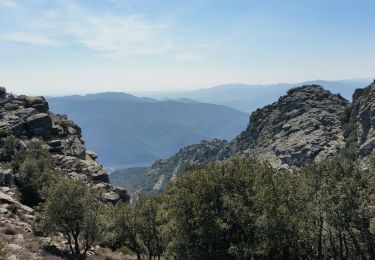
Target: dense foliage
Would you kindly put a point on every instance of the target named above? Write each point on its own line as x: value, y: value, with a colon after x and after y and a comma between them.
x: 240, y: 209
x: 245, y: 209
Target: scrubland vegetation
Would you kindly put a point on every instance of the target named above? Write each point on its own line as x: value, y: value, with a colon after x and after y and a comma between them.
x: 240, y: 209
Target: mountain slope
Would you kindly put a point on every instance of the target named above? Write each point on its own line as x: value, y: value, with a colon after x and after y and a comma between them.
x: 126, y: 130
x: 155, y: 177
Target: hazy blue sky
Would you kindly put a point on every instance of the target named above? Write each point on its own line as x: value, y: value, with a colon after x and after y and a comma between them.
x: 64, y: 46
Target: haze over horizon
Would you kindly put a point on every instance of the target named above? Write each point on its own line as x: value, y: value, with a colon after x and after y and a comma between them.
x: 79, y: 47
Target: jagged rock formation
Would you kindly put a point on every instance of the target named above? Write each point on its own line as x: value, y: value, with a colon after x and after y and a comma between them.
x: 301, y: 127
x: 28, y: 117
x: 363, y: 116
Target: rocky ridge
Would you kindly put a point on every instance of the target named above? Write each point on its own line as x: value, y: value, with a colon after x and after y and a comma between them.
x: 307, y: 124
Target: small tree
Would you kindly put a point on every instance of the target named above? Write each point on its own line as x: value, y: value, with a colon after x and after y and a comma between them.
x: 141, y: 228
x: 72, y: 208
x: 122, y: 228
x: 150, y: 225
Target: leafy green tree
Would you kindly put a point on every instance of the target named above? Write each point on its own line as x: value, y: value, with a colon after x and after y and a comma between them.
x: 340, y: 202
x: 139, y: 228
x: 150, y: 225
x: 72, y: 208
x: 122, y: 228
x: 280, y: 207
x: 213, y: 210
x: 244, y: 209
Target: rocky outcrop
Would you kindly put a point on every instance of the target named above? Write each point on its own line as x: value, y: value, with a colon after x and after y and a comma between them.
x: 25, y: 118
x: 363, y: 115
x: 301, y: 127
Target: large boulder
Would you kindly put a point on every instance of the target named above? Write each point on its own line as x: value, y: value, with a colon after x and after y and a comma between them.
x: 39, y: 125
x: 39, y: 103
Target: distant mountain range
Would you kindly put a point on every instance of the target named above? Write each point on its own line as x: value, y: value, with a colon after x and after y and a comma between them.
x: 125, y: 130
x: 247, y: 98
x: 128, y: 131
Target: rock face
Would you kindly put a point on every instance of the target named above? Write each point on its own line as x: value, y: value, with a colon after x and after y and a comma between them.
x: 154, y: 178
x: 301, y: 127
x: 363, y: 116
x: 26, y: 118
x: 197, y: 154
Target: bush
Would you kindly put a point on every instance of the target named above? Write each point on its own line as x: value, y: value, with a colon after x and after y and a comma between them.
x: 12, y: 208
x: 122, y: 228
x: 3, y: 92
x: 34, y: 167
x: 4, y: 132
x: 9, y: 146
x: 3, y: 249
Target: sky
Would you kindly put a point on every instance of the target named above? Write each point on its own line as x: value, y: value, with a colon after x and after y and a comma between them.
x: 60, y: 47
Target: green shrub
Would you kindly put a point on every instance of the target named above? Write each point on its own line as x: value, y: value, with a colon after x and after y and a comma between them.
x: 3, y: 92
x: 12, y: 208
x: 4, y: 132
x: 35, y: 173
x: 3, y: 249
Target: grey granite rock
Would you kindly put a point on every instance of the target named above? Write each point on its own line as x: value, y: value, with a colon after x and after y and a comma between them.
x: 301, y: 127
